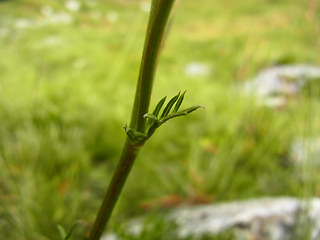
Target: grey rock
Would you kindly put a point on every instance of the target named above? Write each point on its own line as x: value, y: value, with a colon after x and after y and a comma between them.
x: 267, y: 218
x: 256, y: 219
x: 259, y: 217
x: 280, y: 81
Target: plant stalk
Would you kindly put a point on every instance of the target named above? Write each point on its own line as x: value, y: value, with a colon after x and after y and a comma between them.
x: 159, y: 14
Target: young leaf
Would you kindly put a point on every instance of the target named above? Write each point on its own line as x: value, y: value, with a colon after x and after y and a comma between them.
x: 71, y: 230
x: 152, y: 129
x: 62, y: 232
x: 191, y: 109
x: 180, y: 113
x: 169, y: 106
x: 159, y: 106
x: 134, y: 136
x: 178, y: 104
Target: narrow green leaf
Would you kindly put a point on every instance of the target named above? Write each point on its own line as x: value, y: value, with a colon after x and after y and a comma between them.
x: 191, y: 109
x: 152, y: 129
x: 62, y: 232
x: 179, y: 102
x: 181, y: 113
x: 72, y: 229
x: 159, y: 106
x: 169, y: 106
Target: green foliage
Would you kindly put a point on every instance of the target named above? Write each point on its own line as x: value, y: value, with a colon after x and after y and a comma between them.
x: 153, y: 122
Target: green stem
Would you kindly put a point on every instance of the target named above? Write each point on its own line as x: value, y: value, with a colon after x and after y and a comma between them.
x: 121, y: 173
x: 159, y: 15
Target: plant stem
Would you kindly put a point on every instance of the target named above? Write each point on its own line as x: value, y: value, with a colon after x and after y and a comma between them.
x: 158, y: 18
x: 159, y: 15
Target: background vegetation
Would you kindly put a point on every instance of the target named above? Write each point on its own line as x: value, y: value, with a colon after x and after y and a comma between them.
x: 67, y: 78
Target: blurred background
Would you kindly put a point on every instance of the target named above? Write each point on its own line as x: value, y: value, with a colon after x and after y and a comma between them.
x: 68, y: 71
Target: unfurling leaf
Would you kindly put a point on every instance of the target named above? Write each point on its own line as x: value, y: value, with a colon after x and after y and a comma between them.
x: 179, y: 102
x: 181, y: 113
x: 159, y: 106
x: 191, y: 109
x: 169, y: 105
x: 154, y: 122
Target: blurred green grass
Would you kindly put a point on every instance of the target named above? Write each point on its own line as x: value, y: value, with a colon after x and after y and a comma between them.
x: 67, y: 89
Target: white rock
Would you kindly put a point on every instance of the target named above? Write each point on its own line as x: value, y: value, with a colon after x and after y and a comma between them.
x: 281, y: 80
x: 73, y: 5
x: 274, y: 85
x: 195, y: 69
x: 265, y: 218
x: 217, y: 218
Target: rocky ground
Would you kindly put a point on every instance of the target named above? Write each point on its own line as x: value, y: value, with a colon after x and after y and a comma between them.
x: 282, y: 218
